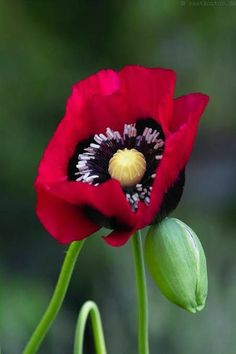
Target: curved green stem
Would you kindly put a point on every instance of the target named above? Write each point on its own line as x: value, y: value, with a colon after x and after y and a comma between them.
x: 57, y: 298
x: 141, y: 293
x: 89, y: 308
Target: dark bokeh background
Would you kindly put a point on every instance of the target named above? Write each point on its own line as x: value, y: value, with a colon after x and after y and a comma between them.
x: 46, y: 46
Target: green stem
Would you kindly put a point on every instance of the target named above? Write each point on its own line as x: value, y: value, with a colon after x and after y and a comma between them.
x: 57, y: 298
x: 141, y: 293
x: 89, y: 308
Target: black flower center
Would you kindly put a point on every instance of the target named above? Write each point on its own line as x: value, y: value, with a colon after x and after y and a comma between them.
x: 131, y: 157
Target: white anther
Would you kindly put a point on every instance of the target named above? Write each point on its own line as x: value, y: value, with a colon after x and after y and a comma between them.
x: 95, y: 146
x: 147, y: 200
x: 89, y: 149
x: 103, y: 137
x: 155, y: 136
x: 145, y: 131
x: 159, y: 144
x: 97, y: 139
x: 148, y: 133
x: 91, y: 178
x: 110, y: 133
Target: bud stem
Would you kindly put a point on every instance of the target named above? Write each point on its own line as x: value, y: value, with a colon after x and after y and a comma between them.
x: 141, y: 293
x: 57, y: 298
x: 89, y: 308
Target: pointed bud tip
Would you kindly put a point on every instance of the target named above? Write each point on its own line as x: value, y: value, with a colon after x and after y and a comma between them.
x: 196, y: 308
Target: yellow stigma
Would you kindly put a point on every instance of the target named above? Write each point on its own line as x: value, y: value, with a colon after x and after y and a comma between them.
x: 128, y: 166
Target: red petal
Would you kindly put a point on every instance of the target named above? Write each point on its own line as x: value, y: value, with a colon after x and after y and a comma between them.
x: 188, y: 107
x: 104, y: 82
x: 149, y: 92
x: 118, y: 238
x: 63, y: 221
x: 87, y: 113
x: 103, y: 101
x: 178, y: 147
x: 108, y: 198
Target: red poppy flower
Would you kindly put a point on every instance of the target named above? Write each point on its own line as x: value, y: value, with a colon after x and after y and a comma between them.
x: 117, y: 158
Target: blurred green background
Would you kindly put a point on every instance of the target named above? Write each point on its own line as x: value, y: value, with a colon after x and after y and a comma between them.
x: 45, y: 47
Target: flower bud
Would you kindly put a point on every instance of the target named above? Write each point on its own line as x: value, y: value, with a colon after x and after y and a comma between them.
x: 177, y: 263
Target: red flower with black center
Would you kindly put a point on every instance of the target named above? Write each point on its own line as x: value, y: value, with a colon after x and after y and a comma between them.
x: 117, y: 158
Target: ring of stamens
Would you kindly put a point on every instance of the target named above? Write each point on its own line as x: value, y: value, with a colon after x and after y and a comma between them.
x: 131, y: 158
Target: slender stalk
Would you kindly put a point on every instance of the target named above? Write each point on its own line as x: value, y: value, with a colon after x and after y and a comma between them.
x: 89, y: 308
x: 57, y: 298
x: 143, y: 343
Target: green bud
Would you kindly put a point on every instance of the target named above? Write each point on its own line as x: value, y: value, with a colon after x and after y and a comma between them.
x: 177, y: 263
